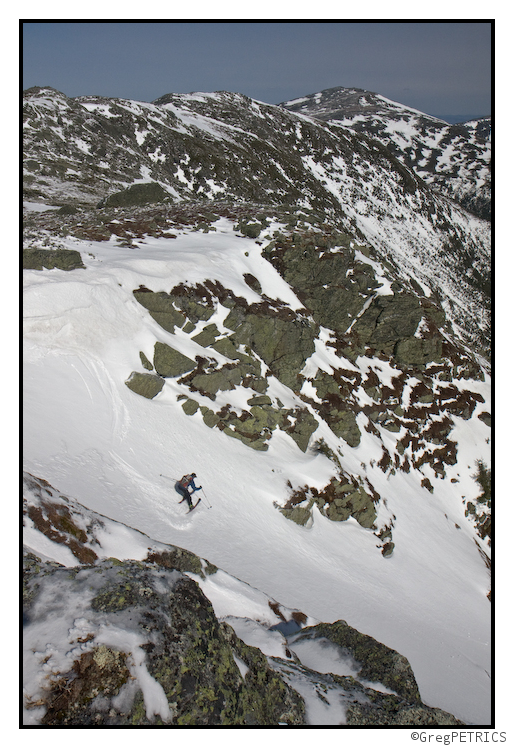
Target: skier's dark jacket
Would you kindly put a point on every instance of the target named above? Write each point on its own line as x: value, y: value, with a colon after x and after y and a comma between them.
x: 189, y: 480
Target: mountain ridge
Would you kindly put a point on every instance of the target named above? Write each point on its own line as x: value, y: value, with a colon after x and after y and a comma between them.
x: 454, y: 158
x: 187, y: 146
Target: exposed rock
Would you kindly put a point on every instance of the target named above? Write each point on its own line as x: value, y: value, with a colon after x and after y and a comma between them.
x: 147, y: 385
x: 188, y: 672
x: 171, y: 363
x: 304, y: 426
x: 63, y: 259
x: 209, y: 417
x: 299, y: 514
x: 388, y: 320
x: 387, y: 709
x: 418, y: 351
x: 161, y: 307
x: 322, y: 278
x: 95, y: 678
x: 136, y: 194
x: 207, y: 336
x: 225, y: 378
x: 144, y: 360
x: 189, y: 407
x: 485, y: 418
x: 227, y: 347
x: 344, y: 424
x: 377, y: 661
x: 284, y: 344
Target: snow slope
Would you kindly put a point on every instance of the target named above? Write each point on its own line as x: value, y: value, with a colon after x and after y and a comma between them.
x: 95, y: 440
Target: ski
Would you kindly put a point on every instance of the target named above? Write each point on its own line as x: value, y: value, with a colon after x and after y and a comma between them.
x: 193, y: 507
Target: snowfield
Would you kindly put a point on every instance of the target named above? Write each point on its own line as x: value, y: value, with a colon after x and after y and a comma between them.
x: 118, y: 454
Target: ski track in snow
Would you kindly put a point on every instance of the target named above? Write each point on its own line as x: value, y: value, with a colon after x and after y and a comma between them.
x: 101, y: 444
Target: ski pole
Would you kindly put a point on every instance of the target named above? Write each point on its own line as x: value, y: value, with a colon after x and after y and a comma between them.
x: 206, y: 499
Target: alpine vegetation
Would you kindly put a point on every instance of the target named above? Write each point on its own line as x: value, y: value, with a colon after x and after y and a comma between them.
x: 285, y: 311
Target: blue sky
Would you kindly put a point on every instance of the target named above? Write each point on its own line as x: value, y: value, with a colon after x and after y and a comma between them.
x: 441, y: 68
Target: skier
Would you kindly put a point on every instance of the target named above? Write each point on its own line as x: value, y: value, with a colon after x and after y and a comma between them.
x: 182, y: 487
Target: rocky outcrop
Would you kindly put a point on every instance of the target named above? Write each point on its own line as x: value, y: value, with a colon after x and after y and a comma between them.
x: 63, y: 259
x: 283, y: 341
x: 136, y: 194
x: 381, y: 690
x: 149, y: 651
x: 376, y: 662
x: 138, y: 643
x: 169, y: 362
x: 359, y: 301
x: 338, y: 500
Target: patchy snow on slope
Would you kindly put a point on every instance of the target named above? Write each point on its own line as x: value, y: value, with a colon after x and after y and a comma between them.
x: 100, y: 443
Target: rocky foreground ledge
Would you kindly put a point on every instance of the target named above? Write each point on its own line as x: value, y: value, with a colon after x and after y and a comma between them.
x: 111, y: 642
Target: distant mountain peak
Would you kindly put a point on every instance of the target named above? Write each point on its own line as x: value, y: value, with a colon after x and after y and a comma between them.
x: 455, y: 159
x: 340, y: 102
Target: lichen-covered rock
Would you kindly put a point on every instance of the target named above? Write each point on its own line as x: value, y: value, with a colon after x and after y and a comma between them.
x: 137, y: 194
x: 222, y: 379
x: 207, y: 336
x: 344, y: 424
x: 389, y: 710
x: 417, y: 351
x: 63, y: 259
x: 299, y: 514
x: 169, y: 362
x: 378, y: 663
x: 388, y: 320
x: 210, y: 418
x: 226, y: 347
x: 360, y: 704
x: 96, y: 677
x: 147, y: 385
x: 161, y: 307
x: 137, y: 643
x: 322, y: 278
x: 190, y: 407
x: 305, y: 424
x: 144, y: 360
x: 283, y: 344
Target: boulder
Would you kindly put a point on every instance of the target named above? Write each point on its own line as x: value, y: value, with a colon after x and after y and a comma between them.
x: 298, y: 514
x: 62, y: 259
x: 147, y: 385
x: 161, y: 307
x: 171, y: 363
x: 144, y: 360
x: 137, y: 194
x: 376, y: 662
x: 190, y: 407
x: 207, y: 336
